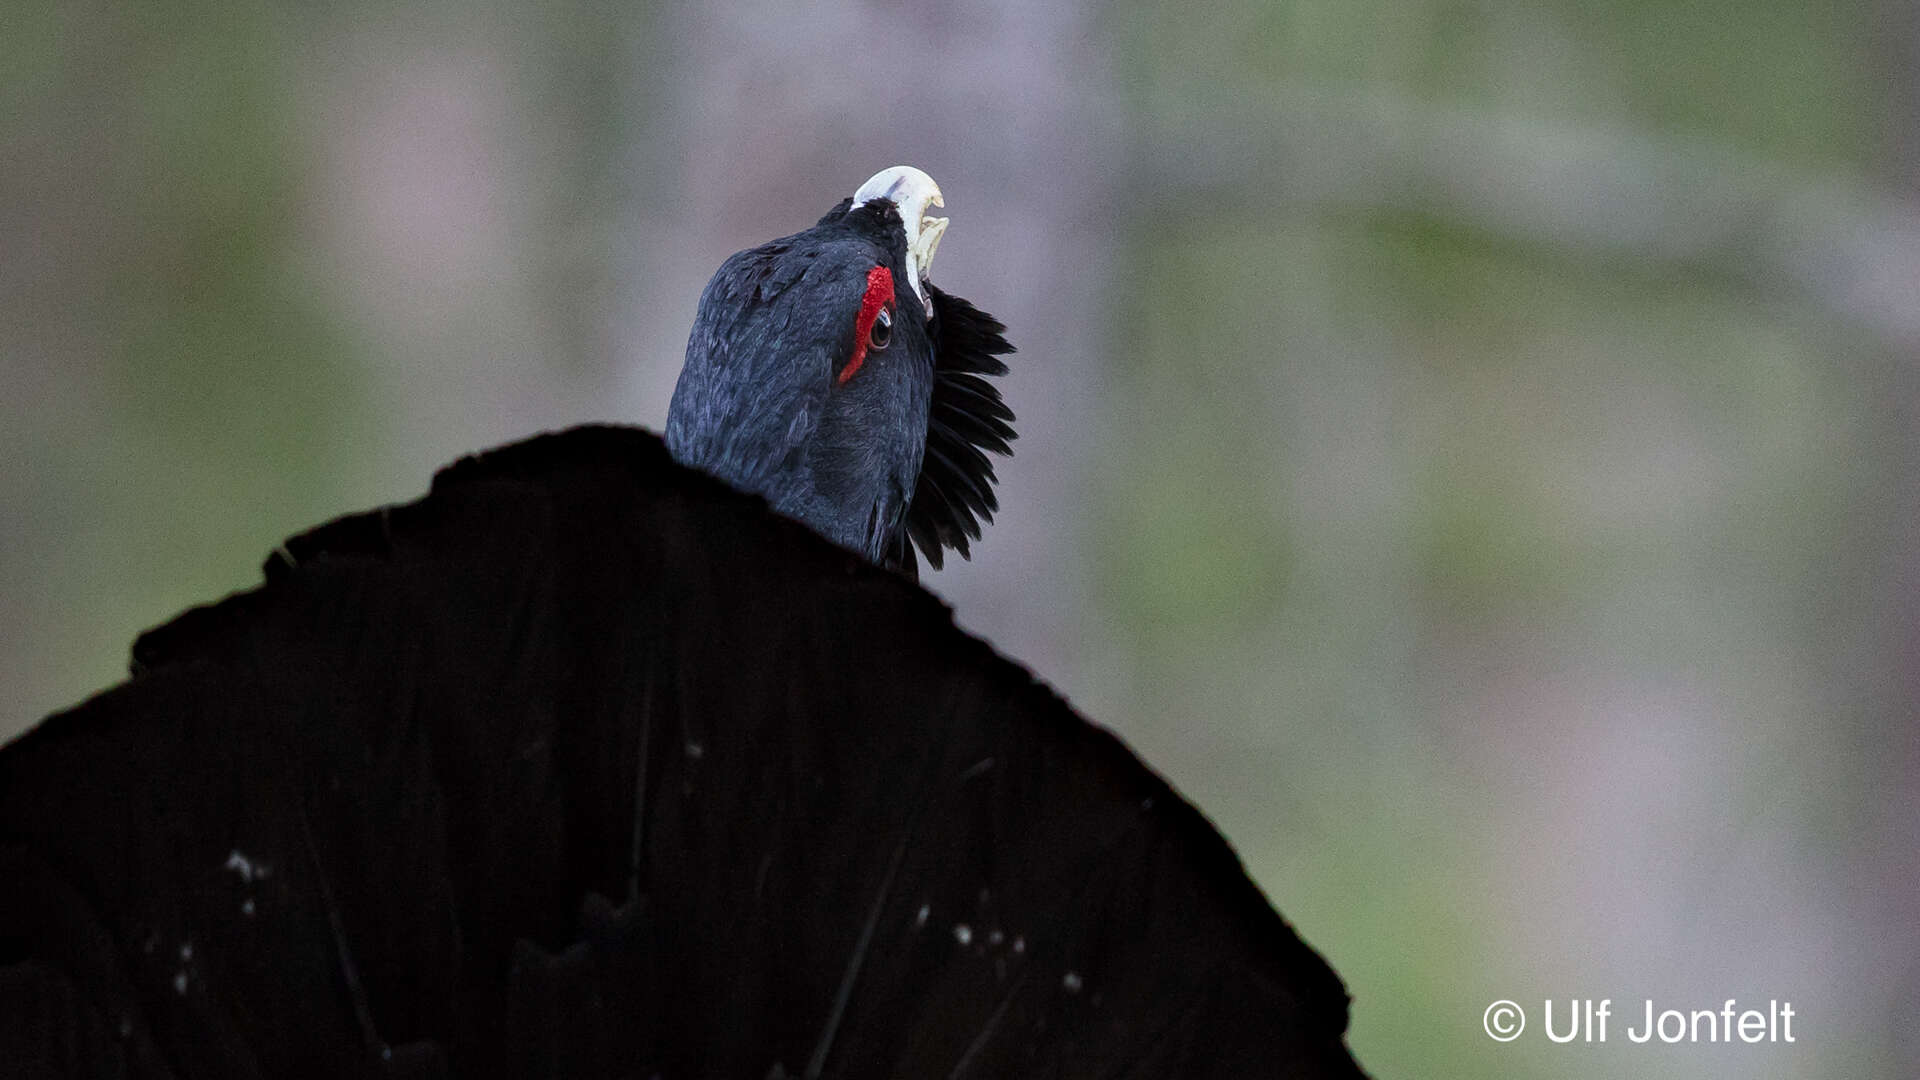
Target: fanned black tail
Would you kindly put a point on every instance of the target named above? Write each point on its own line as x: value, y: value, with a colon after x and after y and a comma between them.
x: 586, y: 766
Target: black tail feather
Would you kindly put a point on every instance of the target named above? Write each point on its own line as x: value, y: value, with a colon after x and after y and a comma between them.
x: 585, y: 765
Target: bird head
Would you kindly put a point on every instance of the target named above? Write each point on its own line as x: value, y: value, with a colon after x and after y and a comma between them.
x: 826, y: 373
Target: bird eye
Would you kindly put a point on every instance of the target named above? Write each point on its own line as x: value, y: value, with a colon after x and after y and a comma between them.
x: 880, y: 334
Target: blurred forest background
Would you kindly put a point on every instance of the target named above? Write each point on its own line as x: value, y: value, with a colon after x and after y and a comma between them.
x: 1471, y: 446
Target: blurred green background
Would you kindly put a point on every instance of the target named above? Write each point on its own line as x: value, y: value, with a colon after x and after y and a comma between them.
x: 1472, y: 448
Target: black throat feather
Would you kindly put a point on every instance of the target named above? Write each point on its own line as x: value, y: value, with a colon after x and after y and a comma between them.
x: 954, y: 494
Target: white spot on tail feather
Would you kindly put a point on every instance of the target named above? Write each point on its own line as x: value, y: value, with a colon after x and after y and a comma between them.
x: 248, y: 869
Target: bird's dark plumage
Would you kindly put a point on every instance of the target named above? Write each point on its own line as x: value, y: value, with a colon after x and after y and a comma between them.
x: 954, y: 494
x: 584, y: 765
x: 879, y: 449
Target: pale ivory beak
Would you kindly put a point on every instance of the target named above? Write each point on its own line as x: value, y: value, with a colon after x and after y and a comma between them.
x: 912, y: 192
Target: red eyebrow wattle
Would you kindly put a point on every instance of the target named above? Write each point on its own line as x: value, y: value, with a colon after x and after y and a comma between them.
x: 879, y: 295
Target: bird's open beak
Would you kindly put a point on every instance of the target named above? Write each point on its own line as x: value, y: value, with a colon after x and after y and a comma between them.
x: 912, y: 192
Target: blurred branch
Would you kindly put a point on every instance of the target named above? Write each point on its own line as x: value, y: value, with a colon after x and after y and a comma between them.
x: 1592, y: 191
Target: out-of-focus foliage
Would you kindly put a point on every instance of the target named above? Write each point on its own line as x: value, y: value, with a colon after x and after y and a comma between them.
x: 1553, y: 576
x: 1468, y: 446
